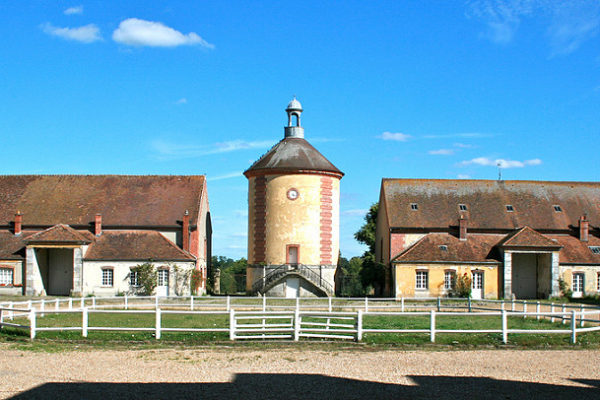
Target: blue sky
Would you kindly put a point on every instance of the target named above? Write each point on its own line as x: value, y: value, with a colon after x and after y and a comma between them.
x: 402, y: 89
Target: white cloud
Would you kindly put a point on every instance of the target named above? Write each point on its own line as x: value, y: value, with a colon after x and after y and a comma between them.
x: 138, y: 32
x: 169, y: 150
x: 572, y: 24
x: 441, y: 152
x: 458, y: 135
x: 73, y: 10
x: 399, y: 137
x: 502, y: 163
x: 182, y: 100
x: 463, y: 145
x: 84, y: 34
x: 463, y: 176
x: 502, y: 18
x: 236, y: 174
x: 356, y: 212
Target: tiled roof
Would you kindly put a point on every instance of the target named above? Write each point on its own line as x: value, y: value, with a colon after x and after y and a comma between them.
x: 486, y: 200
x: 135, y: 245
x: 477, y: 248
x: 123, y: 200
x: 58, y: 234
x: 575, y: 251
x: 11, y: 246
x: 292, y: 154
x: 527, y: 237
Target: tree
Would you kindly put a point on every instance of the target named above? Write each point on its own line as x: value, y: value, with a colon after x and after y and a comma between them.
x: 146, y: 277
x: 366, y: 233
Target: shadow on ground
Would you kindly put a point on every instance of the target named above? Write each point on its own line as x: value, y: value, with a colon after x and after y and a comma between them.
x: 306, y: 386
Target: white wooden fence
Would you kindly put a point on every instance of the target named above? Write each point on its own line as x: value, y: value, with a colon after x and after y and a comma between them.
x: 308, y: 324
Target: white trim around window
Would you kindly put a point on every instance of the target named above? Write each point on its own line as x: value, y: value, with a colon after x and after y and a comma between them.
x: 108, y: 277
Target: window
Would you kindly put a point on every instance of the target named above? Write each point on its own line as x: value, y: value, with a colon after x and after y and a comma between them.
x: 449, y: 279
x: 414, y: 206
x: 557, y: 208
x: 510, y: 208
x: 6, y: 276
x: 134, y: 278
x: 595, y: 249
x: 422, y: 280
x: 462, y: 207
x: 443, y: 247
x: 598, y: 282
x: 107, y: 277
x: 577, y: 282
x: 163, y: 277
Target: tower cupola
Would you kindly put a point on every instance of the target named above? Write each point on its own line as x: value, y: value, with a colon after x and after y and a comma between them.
x: 293, y: 128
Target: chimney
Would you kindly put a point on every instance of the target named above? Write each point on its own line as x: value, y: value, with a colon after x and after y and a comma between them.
x: 584, y: 228
x: 186, y: 231
x: 18, y: 223
x: 462, y: 228
x: 98, y: 225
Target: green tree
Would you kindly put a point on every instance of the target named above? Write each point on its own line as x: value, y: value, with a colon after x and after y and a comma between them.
x: 372, y: 273
x: 146, y: 275
x: 366, y: 233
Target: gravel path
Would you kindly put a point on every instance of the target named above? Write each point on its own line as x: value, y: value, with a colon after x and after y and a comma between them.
x: 292, y: 373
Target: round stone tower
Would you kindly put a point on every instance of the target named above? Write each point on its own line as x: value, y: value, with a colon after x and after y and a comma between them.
x: 293, y: 217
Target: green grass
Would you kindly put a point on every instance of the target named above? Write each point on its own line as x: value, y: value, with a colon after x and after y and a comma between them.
x: 112, y: 339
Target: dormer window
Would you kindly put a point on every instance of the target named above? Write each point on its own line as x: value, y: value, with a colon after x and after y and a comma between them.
x: 462, y: 207
x: 595, y: 249
x: 443, y: 247
x: 414, y: 206
x: 510, y: 208
x: 557, y: 208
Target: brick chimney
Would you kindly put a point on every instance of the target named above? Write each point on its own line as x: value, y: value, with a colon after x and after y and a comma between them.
x: 462, y: 228
x: 584, y: 228
x: 186, y: 231
x: 98, y: 225
x: 18, y: 223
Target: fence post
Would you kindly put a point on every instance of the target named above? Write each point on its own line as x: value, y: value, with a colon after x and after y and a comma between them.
x: 296, y: 325
x: 42, y: 306
x: 564, y: 309
x: 297, y: 303
x: 432, y: 326
x: 366, y: 304
x: 1, y: 318
x: 524, y: 309
x: 11, y: 312
x: 470, y: 307
x: 439, y: 303
x: 228, y: 303
x: 93, y: 303
x: 512, y: 305
x: 264, y: 302
x: 29, y: 304
x: 126, y: 302
x: 32, y: 324
x: 56, y: 305
x: 84, y: 321
x: 192, y: 303
x: 82, y: 300
x: 359, y: 325
x: 157, y: 334
x: 552, y: 310
x: 581, y: 318
x: 155, y: 301
x: 537, y: 310
x: 70, y: 303
x: 504, y: 327
x: 231, y: 324
x: 573, y: 327
x: 402, y: 304
x: 502, y: 304
x: 329, y: 304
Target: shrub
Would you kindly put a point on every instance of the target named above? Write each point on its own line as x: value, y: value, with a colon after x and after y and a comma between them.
x: 146, y: 278
x: 565, y: 290
x: 462, y: 286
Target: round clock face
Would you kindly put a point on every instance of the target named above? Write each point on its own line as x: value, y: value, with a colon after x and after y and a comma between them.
x: 292, y: 194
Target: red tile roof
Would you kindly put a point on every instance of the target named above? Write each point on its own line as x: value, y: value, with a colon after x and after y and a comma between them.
x: 486, y: 200
x: 477, y: 248
x: 575, y: 251
x: 527, y: 237
x: 58, y: 234
x: 135, y: 245
x: 11, y: 246
x: 123, y: 200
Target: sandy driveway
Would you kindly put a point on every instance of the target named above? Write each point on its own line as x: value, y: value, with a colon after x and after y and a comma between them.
x: 312, y: 374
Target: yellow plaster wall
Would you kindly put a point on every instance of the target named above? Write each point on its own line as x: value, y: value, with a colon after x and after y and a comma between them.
x: 405, y: 279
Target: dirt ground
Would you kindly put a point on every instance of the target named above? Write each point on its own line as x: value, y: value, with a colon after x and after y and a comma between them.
x: 282, y: 373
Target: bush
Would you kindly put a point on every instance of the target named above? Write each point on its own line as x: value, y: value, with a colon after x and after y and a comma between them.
x: 195, y: 281
x: 565, y: 290
x: 462, y: 286
x: 146, y: 278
